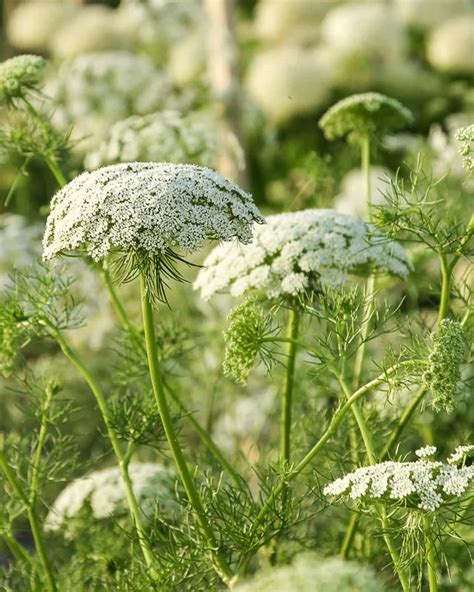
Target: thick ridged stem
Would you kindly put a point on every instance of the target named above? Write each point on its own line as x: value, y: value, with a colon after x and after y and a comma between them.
x: 287, y: 392
x: 220, y: 565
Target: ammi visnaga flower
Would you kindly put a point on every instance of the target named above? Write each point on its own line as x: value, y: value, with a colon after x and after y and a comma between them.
x: 144, y: 214
x: 298, y: 252
x: 18, y: 76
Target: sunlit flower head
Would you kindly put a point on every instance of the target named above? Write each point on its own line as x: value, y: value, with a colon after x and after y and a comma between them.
x: 18, y: 76
x: 310, y: 574
x: 104, y: 493
x: 424, y: 484
x: 362, y: 114
x: 299, y: 252
x: 166, y: 136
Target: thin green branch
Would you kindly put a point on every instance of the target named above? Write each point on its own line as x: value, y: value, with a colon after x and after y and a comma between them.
x: 287, y: 392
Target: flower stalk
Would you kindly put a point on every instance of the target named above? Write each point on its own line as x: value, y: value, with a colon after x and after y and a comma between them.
x: 288, y: 387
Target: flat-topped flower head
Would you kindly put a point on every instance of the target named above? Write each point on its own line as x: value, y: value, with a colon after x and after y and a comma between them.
x: 299, y: 252
x: 310, y: 574
x: 362, y: 114
x: 166, y: 136
x: 104, y: 493
x: 18, y: 76
x: 424, y: 484
x: 146, y: 212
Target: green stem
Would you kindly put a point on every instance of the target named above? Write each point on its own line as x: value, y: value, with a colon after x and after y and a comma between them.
x: 333, y: 425
x: 368, y: 310
x: 349, y: 536
x: 399, y: 570
x: 445, y: 290
x: 218, y: 561
x: 17, y: 550
x: 287, y: 393
x: 18, y: 176
x: 39, y: 446
x: 206, y: 439
x: 32, y: 519
x: 365, y: 163
x: 430, y: 557
x: 122, y: 461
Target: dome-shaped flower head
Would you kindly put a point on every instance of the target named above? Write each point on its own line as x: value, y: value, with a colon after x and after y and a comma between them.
x: 18, y: 76
x: 426, y: 484
x: 299, y: 252
x: 359, y: 115
x: 310, y: 574
x: 145, y: 213
x: 103, y: 491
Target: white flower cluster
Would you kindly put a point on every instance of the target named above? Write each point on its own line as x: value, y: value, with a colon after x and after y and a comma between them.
x: 351, y: 199
x: 451, y: 46
x: 424, y: 484
x: 448, y: 149
x: 465, y: 136
x: 148, y: 208
x: 167, y: 136
x: 18, y: 75
x: 311, y: 574
x: 104, y: 492
x: 300, y: 251
x: 460, y: 453
x: 97, y: 89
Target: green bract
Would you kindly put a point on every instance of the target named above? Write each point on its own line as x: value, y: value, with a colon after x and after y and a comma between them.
x: 19, y: 75
x: 362, y: 114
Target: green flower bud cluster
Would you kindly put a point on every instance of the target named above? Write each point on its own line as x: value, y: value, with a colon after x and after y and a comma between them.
x: 443, y: 374
x: 465, y: 135
x: 19, y: 75
x: 248, y: 326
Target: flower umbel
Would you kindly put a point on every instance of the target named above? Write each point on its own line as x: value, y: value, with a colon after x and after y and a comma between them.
x: 144, y: 212
x: 443, y: 374
x: 300, y: 251
x: 465, y: 135
x: 18, y: 76
x: 248, y: 325
x: 363, y: 114
x: 422, y: 484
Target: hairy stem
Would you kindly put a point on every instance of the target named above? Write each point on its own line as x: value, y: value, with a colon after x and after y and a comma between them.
x: 220, y: 565
x: 16, y: 485
x: 122, y: 461
x: 287, y: 393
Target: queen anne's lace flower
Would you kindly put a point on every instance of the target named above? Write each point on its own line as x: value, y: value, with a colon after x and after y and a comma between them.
x: 300, y: 251
x: 465, y: 136
x: 423, y: 484
x: 19, y: 75
x: 147, y: 208
x: 167, y: 136
x: 310, y: 574
x: 443, y: 374
x: 460, y: 453
x: 104, y: 492
x: 426, y: 451
x: 362, y: 114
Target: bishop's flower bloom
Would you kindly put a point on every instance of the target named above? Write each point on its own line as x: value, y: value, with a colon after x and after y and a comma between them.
x: 363, y: 114
x: 310, y: 574
x: 424, y: 484
x: 104, y: 492
x: 19, y: 75
x: 146, y: 212
x: 300, y: 251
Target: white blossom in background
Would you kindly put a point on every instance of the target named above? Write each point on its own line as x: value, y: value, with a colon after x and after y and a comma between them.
x: 308, y: 573
x: 368, y: 28
x: 159, y: 24
x: 426, y: 14
x: 286, y: 81
x: 450, y: 47
x: 351, y: 199
x: 424, y: 484
x: 147, y: 207
x: 460, y: 454
x: 32, y: 25
x: 95, y: 90
x: 104, y: 492
x: 300, y: 251
x: 446, y: 147
x: 166, y: 136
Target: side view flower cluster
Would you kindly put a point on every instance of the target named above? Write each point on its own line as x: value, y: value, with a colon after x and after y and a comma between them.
x: 301, y: 251
x: 167, y: 136
x: 104, y: 492
x: 424, y: 484
x: 465, y: 135
x: 146, y: 207
x: 248, y: 325
x: 443, y: 374
x: 361, y: 114
x: 310, y: 574
x: 19, y: 75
